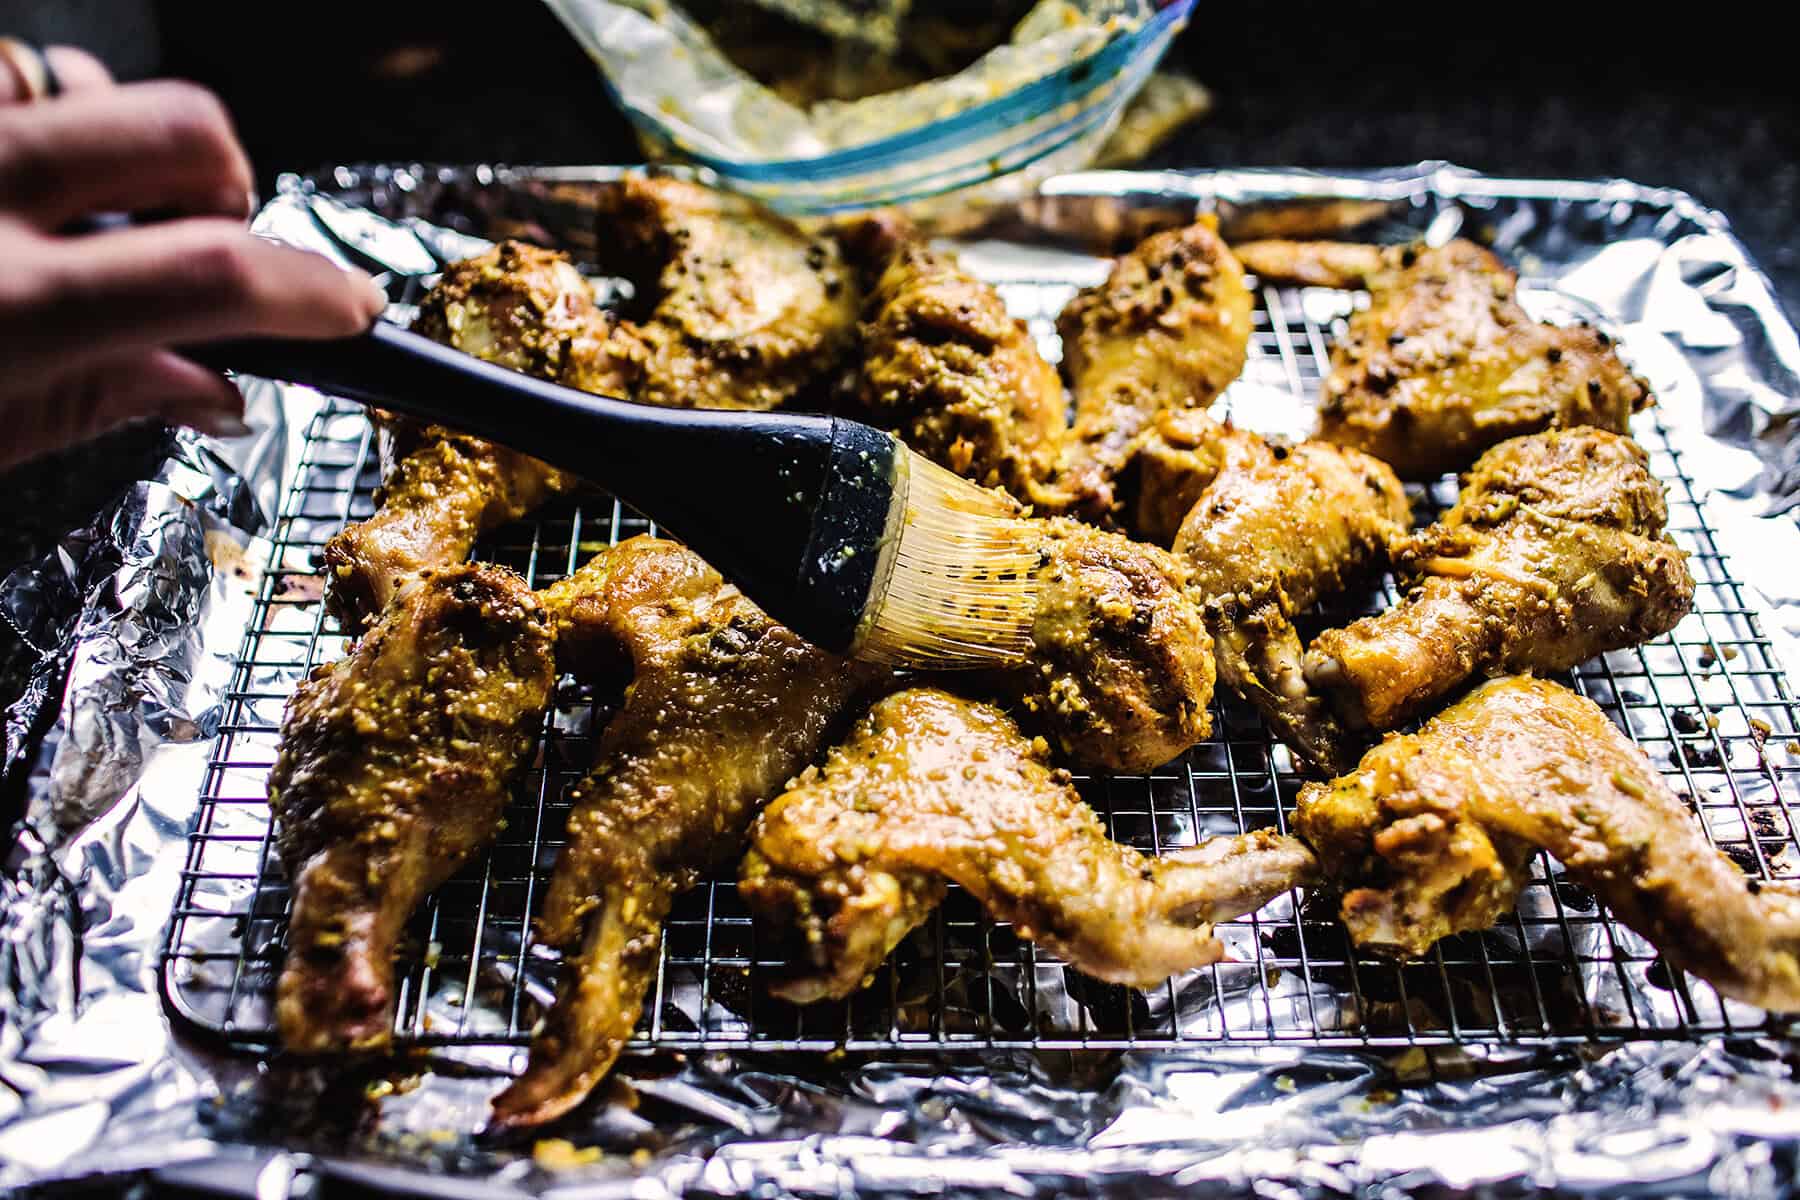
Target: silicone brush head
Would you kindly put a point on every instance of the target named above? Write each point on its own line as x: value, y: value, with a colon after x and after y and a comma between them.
x: 959, y: 584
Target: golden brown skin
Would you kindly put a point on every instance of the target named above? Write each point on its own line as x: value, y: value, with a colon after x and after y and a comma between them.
x: 521, y: 307
x: 1444, y: 362
x: 1121, y: 668
x: 527, y: 309
x: 1553, y: 553
x: 1169, y: 329
x: 744, y: 311
x: 931, y: 788
x: 952, y: 374
x: 395, y: 764
x: 1176, y: 460
x: 1263, y: 544
x: 723, y: 706
x: 1432, y: 833
x: 963, y: 383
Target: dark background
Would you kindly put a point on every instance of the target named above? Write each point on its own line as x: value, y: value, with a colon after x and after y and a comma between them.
x: 1570, y: 90
x: 1702, y: 98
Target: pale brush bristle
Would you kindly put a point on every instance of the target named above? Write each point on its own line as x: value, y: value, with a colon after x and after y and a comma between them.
x: 963, y: 589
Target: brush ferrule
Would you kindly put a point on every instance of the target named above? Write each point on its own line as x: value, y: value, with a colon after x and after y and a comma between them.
x: 855, y: 529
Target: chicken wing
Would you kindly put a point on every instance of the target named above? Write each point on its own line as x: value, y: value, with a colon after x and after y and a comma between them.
x: 963, y: 383
x: 1177, y: 459
x: 1121, y: 667
x: 1263, y: 544
x: 952, y: 374
x: 930, y: 788
x: 395, y: 765
x: 521, y: 307
x: 739, y: 308
x: 1554, y: 553
x: 723, y: 706
x: 1444, y: 362
x: 1169, y: 329
x: 1432, y: 833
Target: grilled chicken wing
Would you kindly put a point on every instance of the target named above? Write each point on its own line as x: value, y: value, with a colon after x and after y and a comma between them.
x: 395, y: 765
x: 963, y: 383
x: 1121, y: 669
x: 1432, y: 833
x: 1264, y: 543
x: 1554, y: 553
x: 1444, y: 362
x: 521, y: 307
x: 723, y: 706
x: 1168, y: 330
x: 742, y: 309
x: 931, y: 788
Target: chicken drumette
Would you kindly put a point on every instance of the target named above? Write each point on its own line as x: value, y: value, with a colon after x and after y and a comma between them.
x: 1167, y: 331
x: 1444, y: 362
x: 395, y: 765
x: 1263, y: 544
x: 723, y: 706
x: 1121, y: 669
x: 1553, y: 553
x: 1432, y: 834
x: 931, y: 788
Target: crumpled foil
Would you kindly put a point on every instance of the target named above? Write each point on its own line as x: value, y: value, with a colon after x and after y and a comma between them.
x: 151, y: 604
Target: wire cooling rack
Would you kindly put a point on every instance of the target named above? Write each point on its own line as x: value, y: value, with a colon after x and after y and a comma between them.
x: 1708, y: 704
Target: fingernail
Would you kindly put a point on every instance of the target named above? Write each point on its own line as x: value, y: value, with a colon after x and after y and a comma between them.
x: 219, y: 424
x: 378, y: 297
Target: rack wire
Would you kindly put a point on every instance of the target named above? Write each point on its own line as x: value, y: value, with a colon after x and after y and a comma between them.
x: 1709, y: 705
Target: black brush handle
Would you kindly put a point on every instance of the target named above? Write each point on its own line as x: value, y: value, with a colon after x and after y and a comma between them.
x: 791, y: 508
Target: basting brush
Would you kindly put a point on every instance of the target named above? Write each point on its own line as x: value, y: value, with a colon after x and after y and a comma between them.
x: 833, y: 527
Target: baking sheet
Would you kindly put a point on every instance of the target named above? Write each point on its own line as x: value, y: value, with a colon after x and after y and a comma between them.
x: 99, y: 1082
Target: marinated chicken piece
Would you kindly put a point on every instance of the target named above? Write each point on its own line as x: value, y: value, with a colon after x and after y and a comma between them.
x: 442, y: 492
x: 1432, y: 834
x: 395, y: 764
x: 1263, y: 544
x: 1553, y: 553
x: 963, y: 383
x: 518, y: 306
x: 528, y: 309
x: 742, y: 310
x: 930, y: 788
x: 1169, y: 329
x: 1444, y: 362
x: 1180, y: 455
x: 1121, y: 668
x: 947, y: 369
x: 1316, y: 264
x: 724, y: 705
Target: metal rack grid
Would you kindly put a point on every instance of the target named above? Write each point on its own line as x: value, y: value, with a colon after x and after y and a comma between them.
x: 1708, y: 704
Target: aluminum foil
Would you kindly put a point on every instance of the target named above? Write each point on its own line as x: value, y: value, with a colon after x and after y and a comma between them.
x: 151, y: 603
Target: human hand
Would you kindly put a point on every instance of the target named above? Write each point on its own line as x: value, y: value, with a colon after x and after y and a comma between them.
x: 87, y: 319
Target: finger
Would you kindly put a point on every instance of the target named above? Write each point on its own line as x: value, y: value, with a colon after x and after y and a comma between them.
x: 156, y: 384
x: 140, y: 147
x: 77, y: 70
x: 191, y: 281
